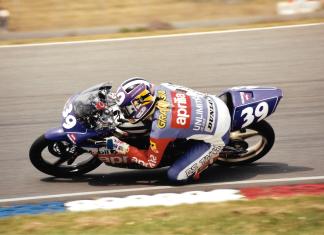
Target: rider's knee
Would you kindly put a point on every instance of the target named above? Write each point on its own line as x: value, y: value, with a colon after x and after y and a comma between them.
x: 175, y: 177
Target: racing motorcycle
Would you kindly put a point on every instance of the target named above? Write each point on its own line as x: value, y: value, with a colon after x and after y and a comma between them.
x: 92, y: 115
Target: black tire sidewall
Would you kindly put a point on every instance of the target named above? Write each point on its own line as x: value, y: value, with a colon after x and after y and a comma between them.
x: 35, y: 156
x: 266, y: 130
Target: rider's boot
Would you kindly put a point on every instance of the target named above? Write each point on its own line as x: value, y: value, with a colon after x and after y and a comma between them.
x: 196, y: 176
x: 196, y: 159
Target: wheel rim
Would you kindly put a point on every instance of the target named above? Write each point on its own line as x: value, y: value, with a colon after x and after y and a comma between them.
x: 60, y: 162
x: 256, y: 142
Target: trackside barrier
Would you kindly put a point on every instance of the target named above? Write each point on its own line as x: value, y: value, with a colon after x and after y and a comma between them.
x: 298, y: 6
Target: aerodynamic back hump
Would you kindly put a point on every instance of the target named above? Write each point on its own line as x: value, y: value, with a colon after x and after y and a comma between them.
x: 251, y: 104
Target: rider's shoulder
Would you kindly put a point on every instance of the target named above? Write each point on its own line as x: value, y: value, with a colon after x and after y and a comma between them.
x: 172, y: 86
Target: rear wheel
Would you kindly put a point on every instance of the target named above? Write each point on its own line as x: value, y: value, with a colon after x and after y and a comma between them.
x: 252, y: 143
x: 61, y: 158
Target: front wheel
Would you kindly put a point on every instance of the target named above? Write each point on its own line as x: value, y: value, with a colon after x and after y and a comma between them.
x: 255, y: 141
x: 61, y: 158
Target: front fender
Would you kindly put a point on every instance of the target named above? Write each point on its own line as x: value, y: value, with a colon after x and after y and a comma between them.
x: 56, y: 134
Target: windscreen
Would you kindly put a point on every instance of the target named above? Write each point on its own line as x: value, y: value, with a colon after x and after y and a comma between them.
x: 87, y: 104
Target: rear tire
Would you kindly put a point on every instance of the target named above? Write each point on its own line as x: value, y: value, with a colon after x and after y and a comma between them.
x: 38, y: 161
x: 254, y: 152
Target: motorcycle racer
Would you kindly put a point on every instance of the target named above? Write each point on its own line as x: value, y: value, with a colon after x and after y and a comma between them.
x: 175, y: 112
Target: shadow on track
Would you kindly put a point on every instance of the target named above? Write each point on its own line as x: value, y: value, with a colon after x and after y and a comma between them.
x: 238, y: 173
x: 156, y: 177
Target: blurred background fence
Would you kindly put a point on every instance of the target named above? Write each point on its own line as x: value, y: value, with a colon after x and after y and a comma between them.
x: 37, y: 15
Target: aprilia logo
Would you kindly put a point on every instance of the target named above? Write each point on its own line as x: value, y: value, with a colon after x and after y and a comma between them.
x: 181, y: 110
x: 113, y: 159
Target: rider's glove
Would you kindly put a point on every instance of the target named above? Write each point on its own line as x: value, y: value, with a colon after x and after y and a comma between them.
x: 116, y: 145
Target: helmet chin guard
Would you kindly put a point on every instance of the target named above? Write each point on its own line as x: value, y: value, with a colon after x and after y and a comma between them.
x: 135, y: 99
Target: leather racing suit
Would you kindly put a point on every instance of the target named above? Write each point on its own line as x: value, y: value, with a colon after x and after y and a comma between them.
x: 185, y: 113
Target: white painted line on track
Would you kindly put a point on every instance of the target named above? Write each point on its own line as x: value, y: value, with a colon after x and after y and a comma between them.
x: 297, y: 179
x: 165, y: 36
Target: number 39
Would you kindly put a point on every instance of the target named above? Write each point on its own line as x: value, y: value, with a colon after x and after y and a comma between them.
x: 70, y: 120
x: 261, y: 111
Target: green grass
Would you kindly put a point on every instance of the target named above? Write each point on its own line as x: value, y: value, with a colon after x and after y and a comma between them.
x: 290, y: 216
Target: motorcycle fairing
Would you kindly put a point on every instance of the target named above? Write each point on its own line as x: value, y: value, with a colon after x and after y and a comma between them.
x: 250, y: 104
x: 58, y: 134
x: 71, y: 130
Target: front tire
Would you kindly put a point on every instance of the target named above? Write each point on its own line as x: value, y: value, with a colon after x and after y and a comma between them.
x: 265, y: 136
x: 57, y: 168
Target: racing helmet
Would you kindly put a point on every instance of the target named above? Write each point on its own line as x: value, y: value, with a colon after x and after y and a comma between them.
x: 135, y: 99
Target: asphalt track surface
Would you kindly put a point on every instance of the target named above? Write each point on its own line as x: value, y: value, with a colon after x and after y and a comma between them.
x: 37, y: 80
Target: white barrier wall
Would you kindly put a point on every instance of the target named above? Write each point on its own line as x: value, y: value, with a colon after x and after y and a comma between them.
x: 298, y: 6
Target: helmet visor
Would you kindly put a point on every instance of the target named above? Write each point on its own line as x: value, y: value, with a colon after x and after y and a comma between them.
x: 129, y: 111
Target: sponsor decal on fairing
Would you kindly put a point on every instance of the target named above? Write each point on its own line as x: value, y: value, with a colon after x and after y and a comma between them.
x: 72, y: 137
x: 152, y: 161
x: 139, y: 162
x: 245, y: 96
x: 113, y: 159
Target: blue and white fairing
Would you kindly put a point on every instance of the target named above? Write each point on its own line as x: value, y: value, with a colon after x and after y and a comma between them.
x: 251, y: 104
x: 72, y: 128
x: 76, y: 131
